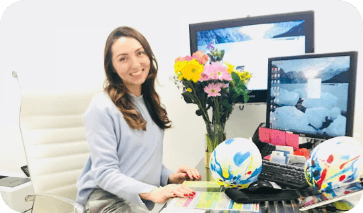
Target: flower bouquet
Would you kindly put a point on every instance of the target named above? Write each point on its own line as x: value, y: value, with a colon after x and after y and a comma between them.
x: 214, y: 55
x: 211, y: 86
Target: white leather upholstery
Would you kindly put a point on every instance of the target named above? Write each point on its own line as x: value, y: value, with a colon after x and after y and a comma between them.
x: 55, y: 145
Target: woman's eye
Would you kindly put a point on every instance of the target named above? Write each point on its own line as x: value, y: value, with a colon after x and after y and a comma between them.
x: 141, y: 53
x: 123, y: 59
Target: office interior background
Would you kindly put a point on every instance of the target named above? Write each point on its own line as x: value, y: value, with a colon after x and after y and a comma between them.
x: 57, y: 47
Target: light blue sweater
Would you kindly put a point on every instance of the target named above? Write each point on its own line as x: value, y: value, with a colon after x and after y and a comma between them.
x: 122, y: 161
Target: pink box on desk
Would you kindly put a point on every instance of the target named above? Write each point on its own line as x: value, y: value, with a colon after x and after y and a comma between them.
x: 292, y: 140
x: 264, y: 134
x: 278, y: 137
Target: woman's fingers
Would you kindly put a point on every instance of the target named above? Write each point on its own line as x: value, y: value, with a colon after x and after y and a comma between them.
x: 179, y: 178
x: 194, y: 174
x: 172, y: 195
x: 187, y: 191
x: 182, y: 191
x: 190, y: 173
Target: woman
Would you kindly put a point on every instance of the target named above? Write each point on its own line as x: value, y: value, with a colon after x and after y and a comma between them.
x: 125, y: 128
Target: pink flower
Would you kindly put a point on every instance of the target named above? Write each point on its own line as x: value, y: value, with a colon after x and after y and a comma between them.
x: 226, y: 76
x: 200, y: 57
x: 188, y: 58
x: 210, y: 72
x: 203, y: 77
x: 216, y: 71
x: 221, y: 71
x: 212, y: 90
x: 181, y: 59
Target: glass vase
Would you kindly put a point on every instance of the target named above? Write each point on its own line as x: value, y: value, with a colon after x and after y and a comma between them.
x: 208, y: 174
x: 215, y: 136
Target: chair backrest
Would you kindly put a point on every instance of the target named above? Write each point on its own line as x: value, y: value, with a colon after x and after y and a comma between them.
x: 54, y: 140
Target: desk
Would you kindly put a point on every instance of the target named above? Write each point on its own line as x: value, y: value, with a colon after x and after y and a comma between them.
x: 275, y: 206
x: 265, y: 207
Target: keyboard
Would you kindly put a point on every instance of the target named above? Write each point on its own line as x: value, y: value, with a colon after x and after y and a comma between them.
x: 284, y: 175
x: 267, y: 149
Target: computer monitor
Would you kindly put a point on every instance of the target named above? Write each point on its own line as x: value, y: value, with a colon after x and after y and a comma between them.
x: 249, y: 42
x: 313, y: 94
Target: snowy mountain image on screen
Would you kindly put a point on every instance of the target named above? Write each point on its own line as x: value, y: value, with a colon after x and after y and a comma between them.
x: 294, y: 110
x: 328, y: 75
x: 250, y: 32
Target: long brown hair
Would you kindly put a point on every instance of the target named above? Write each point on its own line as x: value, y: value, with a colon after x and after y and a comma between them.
x: 120, y: 95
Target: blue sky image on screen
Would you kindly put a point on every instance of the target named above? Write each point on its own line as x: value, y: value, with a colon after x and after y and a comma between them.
x: 249, y: 47
x: 310, y: 95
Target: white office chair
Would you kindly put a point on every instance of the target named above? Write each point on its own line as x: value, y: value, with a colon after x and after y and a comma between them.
x: 56, y: 149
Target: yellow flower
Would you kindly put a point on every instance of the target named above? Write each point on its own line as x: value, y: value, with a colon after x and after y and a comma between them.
x: 189, y: 90
x: 192, y: 70
x: 239, y: 73
x: 178, y: 66
x: 244, y: 76
x: 230, y: 67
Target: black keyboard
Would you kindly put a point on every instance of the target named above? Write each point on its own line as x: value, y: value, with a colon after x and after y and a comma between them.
x: 267, y: 149
x: 284, y: 175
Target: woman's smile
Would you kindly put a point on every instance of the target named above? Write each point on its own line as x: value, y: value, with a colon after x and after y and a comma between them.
x: 137, y: 74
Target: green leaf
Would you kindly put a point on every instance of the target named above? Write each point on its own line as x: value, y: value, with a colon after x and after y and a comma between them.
x: 245, y: 95
x: 222, y: 54
x: 241, y: 85
x: 211, y: 57
x: 239, y: 90
x: 225, y: 103
x: 233, y: 95
x: 187, y: 97
x: 199, y: 112
x: 235, y: 78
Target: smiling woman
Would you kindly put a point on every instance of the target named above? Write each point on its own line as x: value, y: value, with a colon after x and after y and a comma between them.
x: 125, y: 130
x: 131, y: 63
x: 127, y: 53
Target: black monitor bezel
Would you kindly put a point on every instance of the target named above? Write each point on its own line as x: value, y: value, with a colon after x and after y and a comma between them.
x: 351, y: 90
x: 257, y: 96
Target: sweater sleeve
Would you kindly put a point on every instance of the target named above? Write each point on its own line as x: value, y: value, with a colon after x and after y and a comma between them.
x: 103, y: 149
x: 165, y: 173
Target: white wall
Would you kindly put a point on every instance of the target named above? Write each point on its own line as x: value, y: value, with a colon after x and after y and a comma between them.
x: 58, y: 46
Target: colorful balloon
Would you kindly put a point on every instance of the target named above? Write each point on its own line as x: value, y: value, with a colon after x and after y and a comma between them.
x: 236, y: 162
x: 335, y: 163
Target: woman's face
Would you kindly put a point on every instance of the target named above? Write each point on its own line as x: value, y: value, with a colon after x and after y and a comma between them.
x: 131, y: 63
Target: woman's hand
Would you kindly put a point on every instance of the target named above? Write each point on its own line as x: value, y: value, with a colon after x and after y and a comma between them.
x: 184, y: 173
x: 161, y: 195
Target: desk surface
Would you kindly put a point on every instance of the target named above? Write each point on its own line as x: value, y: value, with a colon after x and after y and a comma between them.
x: 266, y: 206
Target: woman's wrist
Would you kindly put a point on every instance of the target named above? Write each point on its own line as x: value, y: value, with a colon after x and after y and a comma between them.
x: 169, y: 179
x: 145, y: 196
x: 172, y: 179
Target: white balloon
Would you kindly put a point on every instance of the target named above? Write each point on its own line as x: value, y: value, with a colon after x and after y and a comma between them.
x: 236, y: 162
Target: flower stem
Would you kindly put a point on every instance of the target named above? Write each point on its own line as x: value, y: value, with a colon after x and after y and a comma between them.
x: 196, y: 99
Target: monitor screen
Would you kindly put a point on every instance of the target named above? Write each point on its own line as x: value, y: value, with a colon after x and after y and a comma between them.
x: 249, y: 42
x: 313, y: 94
